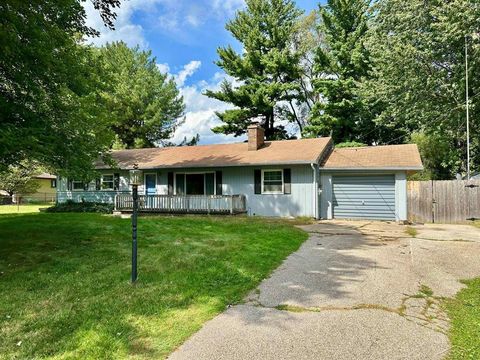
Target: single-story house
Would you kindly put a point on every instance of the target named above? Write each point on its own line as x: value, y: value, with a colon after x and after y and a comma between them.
x: 45, y: 193
x: 305, y: 177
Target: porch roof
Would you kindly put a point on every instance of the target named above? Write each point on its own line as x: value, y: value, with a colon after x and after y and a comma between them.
x: 282, y: 152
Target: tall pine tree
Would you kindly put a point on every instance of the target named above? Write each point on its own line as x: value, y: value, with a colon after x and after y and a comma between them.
x: 144, y: 104
x: 341, y: 62
x: 266, y: 70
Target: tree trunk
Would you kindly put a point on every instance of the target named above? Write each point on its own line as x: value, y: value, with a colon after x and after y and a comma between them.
x: 269, y: 125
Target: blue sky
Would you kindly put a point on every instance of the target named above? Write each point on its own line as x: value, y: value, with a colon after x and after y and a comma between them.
x: 183, y: 36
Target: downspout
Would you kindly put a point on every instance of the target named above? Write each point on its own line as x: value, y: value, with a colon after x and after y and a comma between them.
x: 315, y: 191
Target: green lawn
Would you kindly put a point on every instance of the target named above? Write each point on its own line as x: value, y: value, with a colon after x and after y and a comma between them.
x: 464, y: 312
x: 22, y: 209
x: 65, y: 291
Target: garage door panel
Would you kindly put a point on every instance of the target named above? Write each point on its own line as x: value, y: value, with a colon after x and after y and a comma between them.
x: 366, y: 200
x: 369, y: 194
x: 367, y: 180
x: 364, y: 197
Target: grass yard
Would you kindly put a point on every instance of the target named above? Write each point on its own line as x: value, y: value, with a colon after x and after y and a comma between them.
x: 22, y: 209
x: 65, y: 291
x: 464, y: 312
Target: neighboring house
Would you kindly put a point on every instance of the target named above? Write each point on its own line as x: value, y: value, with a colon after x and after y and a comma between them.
x: 305, y: 177
x: 46, y: 192
x: 474, y: 176
x: 5, y: 198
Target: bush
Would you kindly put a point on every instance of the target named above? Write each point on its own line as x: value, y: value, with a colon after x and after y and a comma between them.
x: 91, y: 207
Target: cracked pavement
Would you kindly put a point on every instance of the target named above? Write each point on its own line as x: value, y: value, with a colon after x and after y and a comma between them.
x: 354, y: 290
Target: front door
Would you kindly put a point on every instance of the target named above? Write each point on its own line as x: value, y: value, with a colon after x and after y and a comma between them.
x: 150, y: 184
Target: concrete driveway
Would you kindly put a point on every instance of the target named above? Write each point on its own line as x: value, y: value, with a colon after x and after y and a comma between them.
x: 354, y: 290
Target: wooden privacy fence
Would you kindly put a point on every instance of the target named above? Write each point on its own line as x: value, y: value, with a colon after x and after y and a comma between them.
x: 449, y: 201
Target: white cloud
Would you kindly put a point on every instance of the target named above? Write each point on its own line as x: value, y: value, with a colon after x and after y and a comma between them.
x: 125, y: 29
x: 193, y: 20
x: 188, y: 70
x: 200, y: 110
x: 164, y: 68
x: 174, y: 17
x: 227, y: 7
x: 202, y: 122
x: 169, y: 22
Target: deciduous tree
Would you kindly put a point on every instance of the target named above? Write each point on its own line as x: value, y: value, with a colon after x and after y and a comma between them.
x: 19, y: 179
x: 418, y: 52
x: 48, y: 97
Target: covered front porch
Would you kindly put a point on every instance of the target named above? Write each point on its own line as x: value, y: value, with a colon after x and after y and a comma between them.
x: 183, y: 204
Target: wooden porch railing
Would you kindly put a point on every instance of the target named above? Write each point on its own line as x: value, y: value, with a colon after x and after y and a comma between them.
x: 204, y: 204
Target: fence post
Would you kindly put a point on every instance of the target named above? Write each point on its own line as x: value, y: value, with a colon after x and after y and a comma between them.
x: 432, y: 184
x: 231, y: 204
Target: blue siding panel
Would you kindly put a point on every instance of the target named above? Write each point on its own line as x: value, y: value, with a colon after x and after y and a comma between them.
x: 364, y: 197
x: 236, y: 180
x: 88, y: 196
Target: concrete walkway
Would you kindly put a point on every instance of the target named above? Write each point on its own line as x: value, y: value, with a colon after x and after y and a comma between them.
x: 354, y: 290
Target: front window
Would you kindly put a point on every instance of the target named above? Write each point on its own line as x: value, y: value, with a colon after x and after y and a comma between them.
x: 107, y: 182
x: 53, y: 183
x: 195, y: 183
x: 272, y: 182
x: 78, y: 185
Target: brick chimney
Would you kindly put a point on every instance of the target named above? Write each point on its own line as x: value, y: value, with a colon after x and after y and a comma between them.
x: 256, y: 136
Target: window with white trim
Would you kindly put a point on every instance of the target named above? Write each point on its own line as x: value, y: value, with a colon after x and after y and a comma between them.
x: 78, y: 185
x: 107, y: 182
x: 272, y: 182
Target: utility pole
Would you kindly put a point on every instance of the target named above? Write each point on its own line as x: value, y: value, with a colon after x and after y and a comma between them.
x: 468, y: 105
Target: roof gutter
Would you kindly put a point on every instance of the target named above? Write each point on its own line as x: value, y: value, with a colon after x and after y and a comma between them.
x: 183, y: 166
x: 366, y: 168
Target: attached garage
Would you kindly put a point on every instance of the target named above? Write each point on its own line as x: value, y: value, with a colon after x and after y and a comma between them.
x: 364, y: 197
x: 367, y: 182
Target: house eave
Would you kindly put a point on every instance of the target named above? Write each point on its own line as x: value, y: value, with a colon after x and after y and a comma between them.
x: 392, y: 168
x: 197, y: 166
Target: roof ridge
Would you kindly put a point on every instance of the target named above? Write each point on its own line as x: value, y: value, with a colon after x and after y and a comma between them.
x: 368, y: 146
x: 221, y: 144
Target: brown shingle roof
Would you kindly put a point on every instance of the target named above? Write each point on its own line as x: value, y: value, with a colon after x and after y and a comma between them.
x: 405, y: 157
x: 284, y: 152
